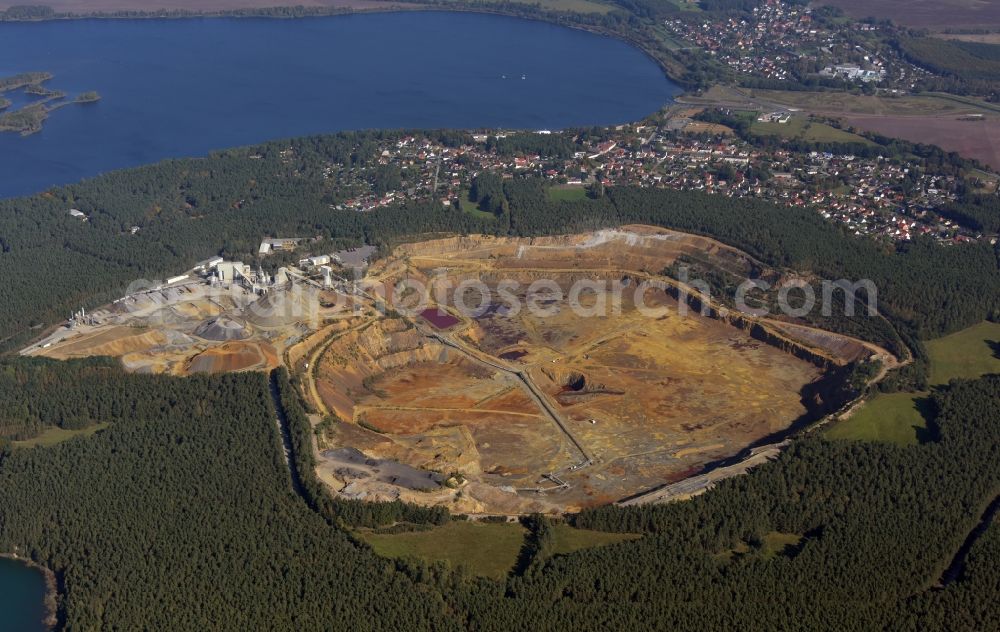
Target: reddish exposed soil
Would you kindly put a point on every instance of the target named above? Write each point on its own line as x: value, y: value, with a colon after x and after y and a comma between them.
x: 234, y: 356
x: 929, y: 14
x: 972, y: 139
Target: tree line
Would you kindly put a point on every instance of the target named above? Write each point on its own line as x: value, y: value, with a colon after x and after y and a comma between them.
x: 180, y: 516
x: 962, y: 67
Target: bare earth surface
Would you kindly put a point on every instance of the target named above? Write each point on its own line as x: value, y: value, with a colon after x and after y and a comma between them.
x: 978, y: 139
x: 499, y: 410
x: 191, y: 328
x: 963, y: 125
x: 561, y: 411
x: 928, y: 14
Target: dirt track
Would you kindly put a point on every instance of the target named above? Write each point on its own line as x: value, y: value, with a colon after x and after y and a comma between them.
x: 523, y: 412
x: 641, y: 409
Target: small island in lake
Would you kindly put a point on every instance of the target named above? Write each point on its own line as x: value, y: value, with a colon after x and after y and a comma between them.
x: 38, y: 90
x: 23, y: 80
x: 29, y: 118
x: 88, y: 97
x: 26, y: 120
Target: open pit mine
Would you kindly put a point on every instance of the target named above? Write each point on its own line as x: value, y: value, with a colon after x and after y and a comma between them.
x: 524, y: 403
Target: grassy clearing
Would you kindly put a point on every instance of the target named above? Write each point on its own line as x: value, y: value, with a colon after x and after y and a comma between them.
x: 802, y: 128
x: 901, y: 418
x: 969, y: 353
x: 53, y: 435
x: 843, y: 103
x: 776, y: 543
x: 669, y: 40
x: 569, y: 540
x: 969, y: 101
x: 847, y: 103
x: 988, y: 180
x: 893, y: 418
x: 486, y: 549
x: 567, y: 193
x: 771, y: 546
x: 467, y: 206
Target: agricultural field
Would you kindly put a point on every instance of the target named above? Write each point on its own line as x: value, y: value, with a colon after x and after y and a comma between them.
x: 801, y: 128
x: 901, y: 417
x: 560, y: 408
x: 935, y: 15
x: 976, y: 139
x: 962, y: 124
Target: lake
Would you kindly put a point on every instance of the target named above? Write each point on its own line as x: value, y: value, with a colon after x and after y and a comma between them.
x: 22, y: 594
x: 175, y: 88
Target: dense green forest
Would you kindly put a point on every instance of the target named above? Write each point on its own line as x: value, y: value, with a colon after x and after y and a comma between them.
x: 964, y: 67
x: 182, y: 515
x: 979, y: 212
x: 187, y: 210
x: 878, y: 526
x: 40, y: 393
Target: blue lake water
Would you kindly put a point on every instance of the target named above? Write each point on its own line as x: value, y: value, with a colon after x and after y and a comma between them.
x: 22, y: 594
x: 184, y: 87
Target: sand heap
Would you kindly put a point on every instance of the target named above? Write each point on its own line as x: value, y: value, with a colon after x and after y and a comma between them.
x: 222, y: 328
